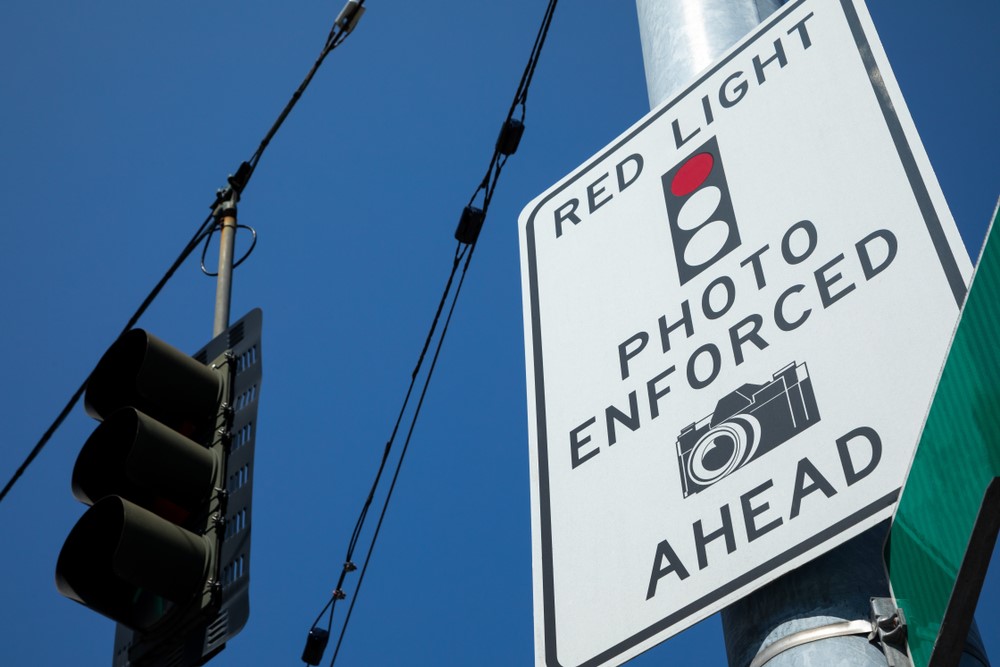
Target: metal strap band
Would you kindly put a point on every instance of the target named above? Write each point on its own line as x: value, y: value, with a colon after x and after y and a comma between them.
x: 841, y: 629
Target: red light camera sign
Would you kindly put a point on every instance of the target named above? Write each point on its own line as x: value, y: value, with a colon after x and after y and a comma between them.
x: 728, y: 358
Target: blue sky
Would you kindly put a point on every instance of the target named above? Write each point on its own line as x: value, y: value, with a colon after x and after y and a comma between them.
x: 119, y: 122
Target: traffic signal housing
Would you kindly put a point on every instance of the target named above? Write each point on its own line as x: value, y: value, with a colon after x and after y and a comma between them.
x: 164, y: 548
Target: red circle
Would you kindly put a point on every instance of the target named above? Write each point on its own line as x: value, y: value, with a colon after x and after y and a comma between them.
x: 692, y: 174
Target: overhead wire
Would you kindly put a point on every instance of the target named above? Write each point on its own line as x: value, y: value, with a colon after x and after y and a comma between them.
x: 349, y: 565
x: 344, y: 24
x: 406, y: 446
x: 505, y: 146
x: 342, y: 27
x: 74, y: 399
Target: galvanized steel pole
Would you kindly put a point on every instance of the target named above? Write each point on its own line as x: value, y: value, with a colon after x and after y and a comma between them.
x: 225, y: 216
x: 680, y: 38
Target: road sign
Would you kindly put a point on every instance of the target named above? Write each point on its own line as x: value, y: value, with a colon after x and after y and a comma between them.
x: 732, y: 314
x: 946, y: 522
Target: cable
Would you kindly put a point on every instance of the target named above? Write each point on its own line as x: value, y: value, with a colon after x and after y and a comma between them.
x: 467, y: 236
x: 208, y: 238
x: 342, y: 27
x: 188, y: 249
x: 402, y: 455
x: 344, y: 24
x: 511, y: 130
x: 460, y: 252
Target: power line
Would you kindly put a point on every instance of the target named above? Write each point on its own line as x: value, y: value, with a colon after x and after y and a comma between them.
x: 342, y: 27
x: 467, y: 234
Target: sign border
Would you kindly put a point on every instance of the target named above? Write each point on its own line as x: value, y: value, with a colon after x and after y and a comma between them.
x: 948, y: 264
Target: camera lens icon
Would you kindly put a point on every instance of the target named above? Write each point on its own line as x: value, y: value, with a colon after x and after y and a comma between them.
x: 723, y: 449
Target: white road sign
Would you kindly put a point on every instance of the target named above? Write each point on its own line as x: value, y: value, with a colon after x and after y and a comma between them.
x: 735, y: 315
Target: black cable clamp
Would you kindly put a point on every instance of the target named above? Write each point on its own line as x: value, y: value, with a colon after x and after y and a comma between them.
x: 469, y: 225
x: 349, y: 16
x: 510, y: 136
x: 239, y: 180
x: 316, y: 642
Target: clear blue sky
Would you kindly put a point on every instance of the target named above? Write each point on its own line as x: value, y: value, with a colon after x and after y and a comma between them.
x: 119, y: 122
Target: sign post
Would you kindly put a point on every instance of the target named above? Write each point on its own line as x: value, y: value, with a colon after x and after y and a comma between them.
x: 731, y: 315
x: 945, y: 526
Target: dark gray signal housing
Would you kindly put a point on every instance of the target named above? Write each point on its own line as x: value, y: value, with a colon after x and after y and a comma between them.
x: 165, y: 548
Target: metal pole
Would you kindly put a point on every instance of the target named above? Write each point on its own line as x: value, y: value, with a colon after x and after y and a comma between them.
x: 680, y: 38
x: 225, y: 216
x: 833, y: 588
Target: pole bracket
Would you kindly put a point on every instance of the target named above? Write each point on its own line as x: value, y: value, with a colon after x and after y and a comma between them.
x: 889, y: 631
x: 226, y: 200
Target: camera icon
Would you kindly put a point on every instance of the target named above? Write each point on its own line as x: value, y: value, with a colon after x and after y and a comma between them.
x: 746, y: 424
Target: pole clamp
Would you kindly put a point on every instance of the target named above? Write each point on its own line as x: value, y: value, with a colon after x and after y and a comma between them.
x: 226, y: 200
x: 887, y: 628
x: 841, y: 629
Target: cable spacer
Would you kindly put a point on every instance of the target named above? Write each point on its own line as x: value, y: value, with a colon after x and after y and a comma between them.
x: 510, y: 136
x: 469, y: 225
x: 339, y: 594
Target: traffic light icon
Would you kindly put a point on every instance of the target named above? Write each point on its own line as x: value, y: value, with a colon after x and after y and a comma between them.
x: 700, y: 211
x: 164, y: 548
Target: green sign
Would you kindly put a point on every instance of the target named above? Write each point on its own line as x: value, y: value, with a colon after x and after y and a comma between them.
x: 946, y: 523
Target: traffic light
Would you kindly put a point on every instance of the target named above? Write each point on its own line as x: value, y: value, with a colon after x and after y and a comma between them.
x: 164, y: 548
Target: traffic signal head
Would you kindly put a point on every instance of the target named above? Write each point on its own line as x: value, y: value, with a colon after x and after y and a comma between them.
x: 148, y: 544
x: 164, y: 548
x: 143, y: 372
x: 131, y: 565
x: 134, y: 456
